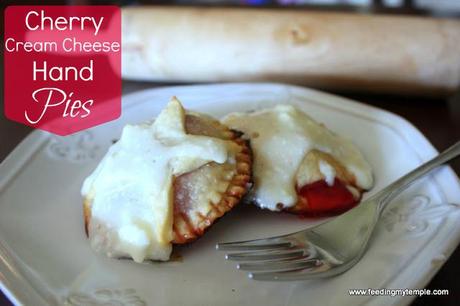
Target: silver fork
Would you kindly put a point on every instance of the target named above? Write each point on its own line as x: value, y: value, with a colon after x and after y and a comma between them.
x: 328, y: 249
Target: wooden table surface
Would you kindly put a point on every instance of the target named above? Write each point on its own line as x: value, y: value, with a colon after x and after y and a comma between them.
x: 437, y: 119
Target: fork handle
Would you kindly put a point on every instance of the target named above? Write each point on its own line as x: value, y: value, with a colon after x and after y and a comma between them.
x: 388, y: 193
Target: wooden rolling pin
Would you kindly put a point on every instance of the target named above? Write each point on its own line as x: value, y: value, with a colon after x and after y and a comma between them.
x: 342, y: 51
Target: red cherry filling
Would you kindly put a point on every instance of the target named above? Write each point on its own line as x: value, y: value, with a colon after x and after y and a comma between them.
x: 325, y: 200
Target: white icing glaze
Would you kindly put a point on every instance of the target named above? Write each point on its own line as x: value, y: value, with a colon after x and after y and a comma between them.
x: 280, y: 138
x: 131, y: 189
x: 328, y: 171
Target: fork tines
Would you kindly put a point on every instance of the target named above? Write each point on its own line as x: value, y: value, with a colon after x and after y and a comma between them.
x: 272, y: 258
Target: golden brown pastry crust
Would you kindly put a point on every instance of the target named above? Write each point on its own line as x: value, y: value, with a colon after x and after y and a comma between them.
x: 186, y: 228
x: 87, y: 214
x: 311, y: 163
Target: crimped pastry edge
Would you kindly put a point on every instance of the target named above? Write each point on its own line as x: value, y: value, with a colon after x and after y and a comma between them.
x: 239, y: 185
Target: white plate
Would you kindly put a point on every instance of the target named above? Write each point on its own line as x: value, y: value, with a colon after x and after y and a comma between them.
x: 46, y: 260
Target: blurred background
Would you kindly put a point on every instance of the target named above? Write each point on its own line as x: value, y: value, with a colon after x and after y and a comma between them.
x: 438, y: 117
x: 420, y: 7
x: 432, y: 7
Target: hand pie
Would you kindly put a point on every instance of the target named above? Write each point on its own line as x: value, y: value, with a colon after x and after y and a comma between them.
x: 164, y: 183
x: 299, y: 165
